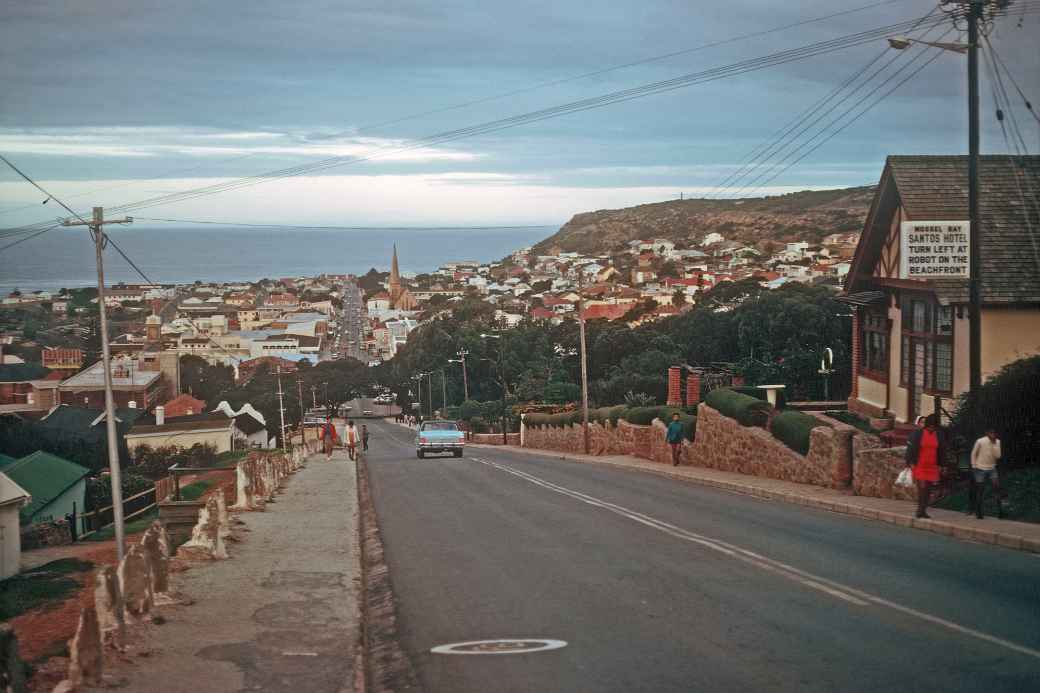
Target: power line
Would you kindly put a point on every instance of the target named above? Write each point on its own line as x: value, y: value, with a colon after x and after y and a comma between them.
x: 524, y: 90
x: 774, y: 59
x: 801, y: 124
x: 337, y: 228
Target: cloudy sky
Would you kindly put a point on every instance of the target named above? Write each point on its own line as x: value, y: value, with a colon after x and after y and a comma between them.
x: 115, y: 101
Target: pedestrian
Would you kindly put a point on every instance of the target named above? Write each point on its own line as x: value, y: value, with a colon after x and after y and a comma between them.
x: 364, y: 437
x: 350, y: 437
x: 984, y: 457
x: 925, y: 451
x: 328, y: 436
x: 675, y: 438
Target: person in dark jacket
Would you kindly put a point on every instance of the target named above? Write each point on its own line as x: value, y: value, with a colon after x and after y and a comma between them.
x: 925, y: 451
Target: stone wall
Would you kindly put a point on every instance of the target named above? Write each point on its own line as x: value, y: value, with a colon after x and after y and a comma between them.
x: 840, y: 456
x: 875, y: 470
x: 493, y: 438
x: 722, y: 443
x: 42, y: 534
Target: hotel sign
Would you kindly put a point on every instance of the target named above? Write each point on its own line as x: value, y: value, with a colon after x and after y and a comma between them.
x: 934, y: 249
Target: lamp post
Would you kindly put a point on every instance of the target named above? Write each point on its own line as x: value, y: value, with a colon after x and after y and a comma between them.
x: 972, y: 16
x: 418, y: 379
x: 502, y: 379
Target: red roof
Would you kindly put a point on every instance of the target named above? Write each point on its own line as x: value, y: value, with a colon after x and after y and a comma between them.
x: 555, y: 301
x: 606, y: 311
x: 184, y: 405
x: 541, y: 314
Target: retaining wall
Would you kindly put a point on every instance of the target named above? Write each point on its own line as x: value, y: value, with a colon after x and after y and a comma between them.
x: 840, y: 456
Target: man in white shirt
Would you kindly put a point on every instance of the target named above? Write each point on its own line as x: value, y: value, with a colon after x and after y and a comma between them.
x: 984, y: 457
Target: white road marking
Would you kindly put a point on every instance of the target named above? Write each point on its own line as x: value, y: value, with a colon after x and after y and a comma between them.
x: 499, y: 646
x: 822, y: 584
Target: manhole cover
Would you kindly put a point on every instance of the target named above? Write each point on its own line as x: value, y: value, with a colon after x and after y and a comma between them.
x: 501, y: 646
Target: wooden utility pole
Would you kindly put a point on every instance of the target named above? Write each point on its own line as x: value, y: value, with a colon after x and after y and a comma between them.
x: 303, y: 414
x: 584, y: 367
x: 465, y: 377
x: 281, y: 406
x: 97, y: 230
x: 974, y: 14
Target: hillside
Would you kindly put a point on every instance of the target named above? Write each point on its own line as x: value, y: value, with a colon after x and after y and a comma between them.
x: 807, y: 215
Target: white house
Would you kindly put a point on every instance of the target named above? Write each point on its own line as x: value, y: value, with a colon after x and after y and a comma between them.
x: 12, y: 498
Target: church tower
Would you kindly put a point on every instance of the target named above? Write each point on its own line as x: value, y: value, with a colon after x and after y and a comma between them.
x: 395, y: 279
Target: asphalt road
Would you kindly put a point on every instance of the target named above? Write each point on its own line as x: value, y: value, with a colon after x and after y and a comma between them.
x: 658, y: 585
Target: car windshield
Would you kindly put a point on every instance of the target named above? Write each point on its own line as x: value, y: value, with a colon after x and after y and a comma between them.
x: 440, y: 426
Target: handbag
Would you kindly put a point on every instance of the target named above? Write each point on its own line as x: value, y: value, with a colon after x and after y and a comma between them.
x: 905, y: 478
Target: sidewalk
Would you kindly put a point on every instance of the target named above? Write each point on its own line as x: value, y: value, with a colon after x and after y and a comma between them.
x: 1022, y: 536
x: 282, y: 613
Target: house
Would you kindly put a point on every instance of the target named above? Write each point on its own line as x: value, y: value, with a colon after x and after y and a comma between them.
x: 27, y: 387
x: 250, y: 429
x: 132, y: 385
x: 184, y: 405
x: 214, y: 429
x: 907, y: 283
x: 12, y: 499
x: 58, y: 487
x: 62, y: 358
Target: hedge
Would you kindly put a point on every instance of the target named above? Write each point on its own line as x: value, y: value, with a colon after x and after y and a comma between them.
x: 747, y: 410
x: 639, y: 416
x: 759, y: 393
x: 792, y: 429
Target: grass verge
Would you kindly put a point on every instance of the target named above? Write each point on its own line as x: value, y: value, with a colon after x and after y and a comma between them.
x: 48, y: 584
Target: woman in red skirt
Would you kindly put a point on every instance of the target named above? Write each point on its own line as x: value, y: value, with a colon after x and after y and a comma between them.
x: 328, y: 437
x: 925, y: 451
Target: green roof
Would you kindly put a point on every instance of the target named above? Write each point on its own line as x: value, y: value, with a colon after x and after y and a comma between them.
x: 21, y: 372
x: 44, y: 476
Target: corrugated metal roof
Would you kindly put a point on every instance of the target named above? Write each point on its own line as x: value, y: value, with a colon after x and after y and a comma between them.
x: 44, y: 476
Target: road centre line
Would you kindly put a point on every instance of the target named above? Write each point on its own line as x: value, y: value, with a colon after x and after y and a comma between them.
x: 835, y: 589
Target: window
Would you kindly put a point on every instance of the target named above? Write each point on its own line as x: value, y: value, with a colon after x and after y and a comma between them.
x: 926, y: 323
x: 874, y: 343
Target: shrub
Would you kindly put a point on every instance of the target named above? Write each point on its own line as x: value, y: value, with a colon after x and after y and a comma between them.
x: 535, y: 419
x: 1008, y: 403
x: 792, y: 429
x: 758, y: 393
x: 747, y: 410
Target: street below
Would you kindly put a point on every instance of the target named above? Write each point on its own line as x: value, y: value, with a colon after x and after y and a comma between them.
x: 660, y: 585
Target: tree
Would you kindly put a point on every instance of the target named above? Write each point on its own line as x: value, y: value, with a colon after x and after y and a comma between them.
x: 679, y: 298
x: 205, y: 381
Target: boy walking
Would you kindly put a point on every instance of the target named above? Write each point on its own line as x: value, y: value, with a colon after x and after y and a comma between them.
x: 675, y: 437
x: 984, y: 457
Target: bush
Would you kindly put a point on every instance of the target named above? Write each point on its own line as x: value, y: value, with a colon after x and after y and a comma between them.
x: 535, y: 419
x: 792, y: 429
x: 1008, y: 403
x: 99, y: 489
x: 747, y: 410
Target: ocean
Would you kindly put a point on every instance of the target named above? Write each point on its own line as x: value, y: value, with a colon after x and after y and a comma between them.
x: 64, y: 257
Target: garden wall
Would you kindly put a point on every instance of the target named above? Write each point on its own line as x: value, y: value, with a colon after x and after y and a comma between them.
x: 840, y: 456
x: 40, y: 534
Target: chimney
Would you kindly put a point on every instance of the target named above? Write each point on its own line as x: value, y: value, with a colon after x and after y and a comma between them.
x: 160, y: 415
x: 131, y: 404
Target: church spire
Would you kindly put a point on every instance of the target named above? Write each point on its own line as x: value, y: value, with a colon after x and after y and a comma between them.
x: 395, y: 278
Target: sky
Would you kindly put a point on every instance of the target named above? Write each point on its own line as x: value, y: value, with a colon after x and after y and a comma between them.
x: 107, y: 102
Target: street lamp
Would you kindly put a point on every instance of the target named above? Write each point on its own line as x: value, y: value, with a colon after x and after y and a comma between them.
x: 972, y: 16
x: 502, y: 378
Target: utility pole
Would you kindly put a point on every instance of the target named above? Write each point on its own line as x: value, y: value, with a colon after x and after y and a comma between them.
x: 281, y: 406
x: 584, y: 368
x: 429, y: 390
x: 974, y: 14
x: 444, y: 393
x: 96, y: 226
x: 465, y: 377
x: 314, y: 396
x: 303, y: 414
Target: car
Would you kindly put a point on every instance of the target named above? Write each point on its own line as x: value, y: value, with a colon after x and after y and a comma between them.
x: 439, y: 435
